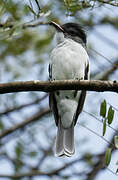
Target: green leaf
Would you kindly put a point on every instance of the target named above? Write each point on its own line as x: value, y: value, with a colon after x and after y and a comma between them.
x: 2, y: 10
x: 107, y: 156
x: 110, y: 115
x: 33, y: 153
x: 11, y: 31
x: 104, y: 127
x: 26, y: 9
x: 103, y: 108
x: 116, y: 141
x: 117, y: 163
x: 18, y: 150
x: 17, y: 166
x: 88, y: 158
x: 1, y: 125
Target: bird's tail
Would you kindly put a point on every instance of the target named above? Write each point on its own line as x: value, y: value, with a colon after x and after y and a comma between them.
x: 65, y: 141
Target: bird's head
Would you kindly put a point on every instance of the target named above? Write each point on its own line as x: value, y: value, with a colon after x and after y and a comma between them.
x: 71, y: 30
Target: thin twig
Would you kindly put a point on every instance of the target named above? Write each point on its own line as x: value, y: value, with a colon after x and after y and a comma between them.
x: 108, y: 2
x: 25, y: 25
x: 108, y: 142
x: 112, y: 106
x: 38, y: 4
x: 106, y: 39
x: 114, y: 65
x: 92, y: 115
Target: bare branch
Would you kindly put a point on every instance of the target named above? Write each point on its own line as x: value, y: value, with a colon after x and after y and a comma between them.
x: 38, y: 4
x: 109, y: 2
x: 25, y: 25
x: 106, y: 39
x: 16, y: 108
x: 40, y: 173
x: 105, y: 75
x: 35, y: 24
x: 25, y: 122
x: 50, y: 86
x: 97, y: 167
x: 98, y: 53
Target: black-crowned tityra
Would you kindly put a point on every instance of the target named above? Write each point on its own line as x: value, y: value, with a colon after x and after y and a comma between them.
x: 69, y: 60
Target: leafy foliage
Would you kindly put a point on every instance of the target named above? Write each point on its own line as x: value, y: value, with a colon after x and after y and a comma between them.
x: 107, y: 117
x: 110, y: 115
x: 104, y: 126
x: 108, y: 156
x: 103, y: 109
x: 116, y: 141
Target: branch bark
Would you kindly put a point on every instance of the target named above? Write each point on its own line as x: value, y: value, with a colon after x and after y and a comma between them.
x: 50, y: 86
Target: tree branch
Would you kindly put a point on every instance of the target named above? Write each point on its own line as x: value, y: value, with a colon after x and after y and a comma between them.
x: 50, y: 86
x: 25, y: 25
x: 17, y: 108
x: 105, y: 75
x: 40, y: 173
x: 38, y: 4
x: 109, y: 2
x: 21, y: 125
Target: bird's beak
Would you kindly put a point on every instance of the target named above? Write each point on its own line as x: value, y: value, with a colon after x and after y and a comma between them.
x: 57, y: 26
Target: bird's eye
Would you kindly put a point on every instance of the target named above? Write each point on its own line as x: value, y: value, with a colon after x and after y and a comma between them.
x: 72, y: 32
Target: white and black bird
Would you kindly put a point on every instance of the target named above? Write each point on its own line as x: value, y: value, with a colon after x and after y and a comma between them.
x: 68, y: 61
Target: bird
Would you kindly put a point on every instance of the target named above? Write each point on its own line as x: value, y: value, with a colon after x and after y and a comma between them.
x: 68, y: 61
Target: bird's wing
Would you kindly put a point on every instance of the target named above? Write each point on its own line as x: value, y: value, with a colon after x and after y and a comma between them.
x: 80, y: 105
x: 86, y: 72
x: 53, y: 106
x: 50, y: 71
x: 82, y: 97
x: 52, y: 99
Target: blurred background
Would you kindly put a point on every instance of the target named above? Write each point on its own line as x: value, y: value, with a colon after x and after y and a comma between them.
x: 27, y: 127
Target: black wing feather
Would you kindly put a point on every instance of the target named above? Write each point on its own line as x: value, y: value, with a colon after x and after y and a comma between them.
x: 52, y: 99
x: 82, y: 97
x: 53, y: 106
